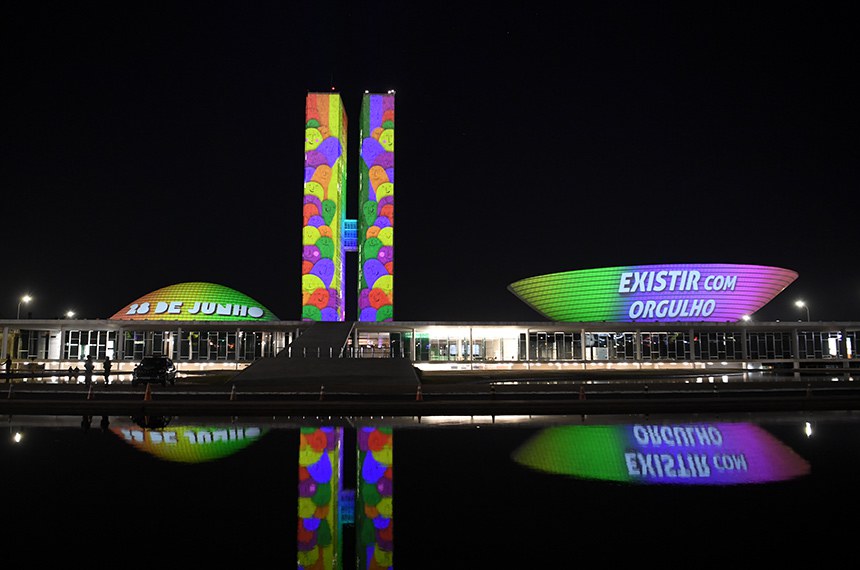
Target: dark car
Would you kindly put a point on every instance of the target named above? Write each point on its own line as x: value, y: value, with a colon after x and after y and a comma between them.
x: 154, y: 369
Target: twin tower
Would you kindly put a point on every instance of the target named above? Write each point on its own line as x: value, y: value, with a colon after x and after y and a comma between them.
x: 327, y: 234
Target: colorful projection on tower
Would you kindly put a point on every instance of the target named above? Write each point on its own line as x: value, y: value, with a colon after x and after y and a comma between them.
x: 374, y: 499
x: 324, y: 208
x: 376, y: 209
x: 676, y: 454
x: 654, y: 293
x: 320, y: 540
x: 194, y: 301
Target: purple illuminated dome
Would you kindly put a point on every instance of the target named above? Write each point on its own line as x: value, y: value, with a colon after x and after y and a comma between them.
x: 710, y: 292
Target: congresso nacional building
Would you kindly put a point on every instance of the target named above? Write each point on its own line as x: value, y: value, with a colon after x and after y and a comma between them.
x: 660, y: 317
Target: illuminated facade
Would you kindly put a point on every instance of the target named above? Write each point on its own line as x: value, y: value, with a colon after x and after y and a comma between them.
x: 376, y: 210
x: 324, y: 208
x: 654, y: 293
x: 195, y: 301
x: 327, y: 234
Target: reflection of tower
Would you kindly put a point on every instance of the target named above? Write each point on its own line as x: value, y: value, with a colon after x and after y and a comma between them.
x: 374, y: 522
x: 320, y: 481
x: 327, y: 234
x: 325, y: 506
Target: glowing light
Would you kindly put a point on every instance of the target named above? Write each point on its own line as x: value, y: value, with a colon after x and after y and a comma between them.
x: 803, y: 305
x: 26, y: 300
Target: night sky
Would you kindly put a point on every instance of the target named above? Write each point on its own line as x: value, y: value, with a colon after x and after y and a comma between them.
x: 149, y: 144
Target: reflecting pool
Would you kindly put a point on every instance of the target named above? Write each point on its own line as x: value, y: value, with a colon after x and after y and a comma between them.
x: 452, y: 492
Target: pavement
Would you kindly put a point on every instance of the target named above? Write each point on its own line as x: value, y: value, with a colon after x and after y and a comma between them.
x: 430, y: 396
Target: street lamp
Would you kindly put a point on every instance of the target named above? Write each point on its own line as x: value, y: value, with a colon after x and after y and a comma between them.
x: 25, y: 299
x: 70, y: 314
x: 803, y: 305
x: 746, y: 318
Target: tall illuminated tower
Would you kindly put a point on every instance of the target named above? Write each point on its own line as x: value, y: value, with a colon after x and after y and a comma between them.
x: 324, y: 208
x: 376, y: 209
x: 327, y: 234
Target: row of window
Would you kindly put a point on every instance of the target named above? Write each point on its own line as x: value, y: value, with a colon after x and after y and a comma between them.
x: 134, y: 345
x: 426, y: 347
x: 655, y: 346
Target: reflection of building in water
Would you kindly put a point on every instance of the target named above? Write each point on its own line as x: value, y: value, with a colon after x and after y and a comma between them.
x: 320, y: 543
x: 185, y: 444
x: 674, y: 454
x: 325, y: 507
x: 374, y: 500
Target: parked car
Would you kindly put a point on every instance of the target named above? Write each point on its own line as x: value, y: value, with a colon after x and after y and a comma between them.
x: 154, y: 369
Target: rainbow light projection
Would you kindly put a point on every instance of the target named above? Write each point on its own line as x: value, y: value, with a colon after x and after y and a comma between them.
x: 190, y: 444
x: 320, y: 544
x: 376, y: 209
x: 323, y: 208
x: 676, y: 454
x: 374, y: 499
x: 654, y: 293
x: 194, y: 301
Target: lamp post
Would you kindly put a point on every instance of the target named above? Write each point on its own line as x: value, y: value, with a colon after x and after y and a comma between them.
x: 803, y: 305
x: 25, y: 299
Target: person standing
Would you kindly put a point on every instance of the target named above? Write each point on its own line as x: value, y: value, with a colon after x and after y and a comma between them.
x: 8, y: 365
x: 107, y: 366
x: 88, y: 370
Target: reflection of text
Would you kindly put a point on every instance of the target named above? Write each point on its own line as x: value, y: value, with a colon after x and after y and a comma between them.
x: 682, y: 436
x: 704, y: 462
x: 682, y: 466
x: 192, y: 437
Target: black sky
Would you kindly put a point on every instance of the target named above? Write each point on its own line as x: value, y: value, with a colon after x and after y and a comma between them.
x: 149, y: 144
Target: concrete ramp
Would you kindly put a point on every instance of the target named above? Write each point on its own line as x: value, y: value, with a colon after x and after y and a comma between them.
x: 313, y: 360
x: 322, y: 340
x: 366, y: 375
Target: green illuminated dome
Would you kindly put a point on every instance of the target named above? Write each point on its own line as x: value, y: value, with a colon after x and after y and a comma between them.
x: 195, y: 301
